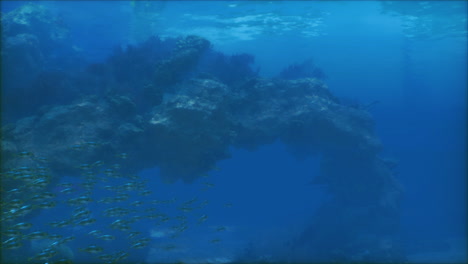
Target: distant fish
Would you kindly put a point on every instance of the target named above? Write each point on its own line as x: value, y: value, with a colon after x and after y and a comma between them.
x: 86, y: 221
x: 55, y: 237
x: 139, y: 245
x: 137, y: 203
x: 22, y: 226
x: 220, y: 228
x: 37, y: 235
x: 68, y: 239
x: 12, y: 233
x: 215, y: 241
x: 202, y: 219
x: 121, y: 255
x: 84, y: 199
x: 185, y: 209
x: 106, y: 237
x: 12, y: 243
x: 92, y: 144
x: 106, y: 257
x: 47, y: 205
x: 67, y: 190
x: 77, y: 147
x: 122, y: 155
x: 95, y: 233
x: 62, y: 223
x: 93, y: 249
x: 145, y: 193
x: 45, y: 255
x: 134, y: 234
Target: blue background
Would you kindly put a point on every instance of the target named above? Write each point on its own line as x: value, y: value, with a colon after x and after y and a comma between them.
x: 421, y: 115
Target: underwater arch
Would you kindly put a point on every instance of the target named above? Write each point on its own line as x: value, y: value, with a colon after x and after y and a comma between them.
x: 189, y: 133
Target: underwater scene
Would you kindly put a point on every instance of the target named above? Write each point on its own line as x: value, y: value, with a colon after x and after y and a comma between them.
x: 233, y: 132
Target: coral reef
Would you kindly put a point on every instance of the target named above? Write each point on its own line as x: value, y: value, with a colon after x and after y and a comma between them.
x: 179, y: 108
x: 204, y: 119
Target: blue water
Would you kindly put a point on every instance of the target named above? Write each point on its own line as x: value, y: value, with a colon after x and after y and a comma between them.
x: 367, y: 55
